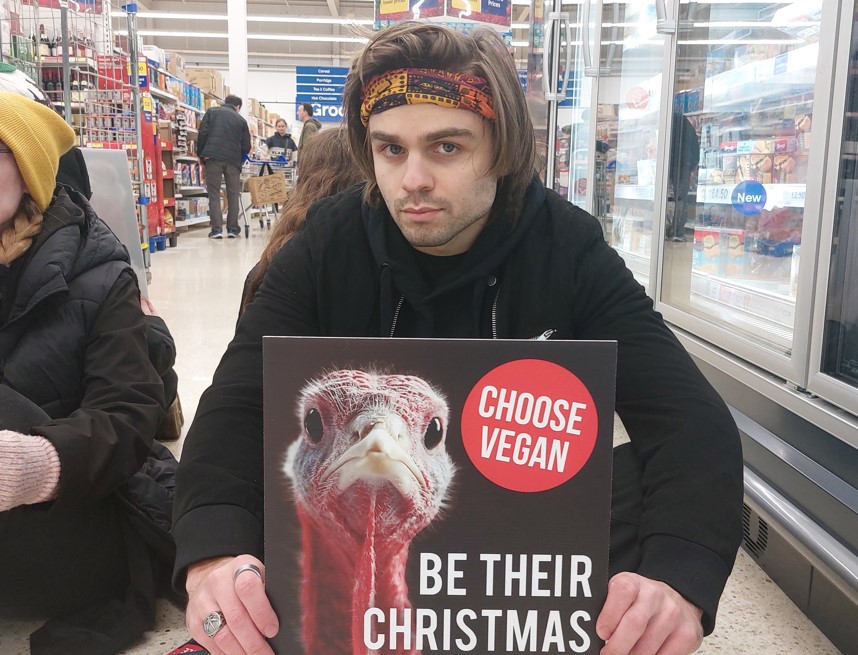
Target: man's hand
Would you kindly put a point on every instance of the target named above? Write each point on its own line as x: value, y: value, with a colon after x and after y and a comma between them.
x: 248, y: 615
x: 646, y: 617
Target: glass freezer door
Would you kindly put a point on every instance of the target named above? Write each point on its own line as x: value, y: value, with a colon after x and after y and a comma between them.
x: 630, y: 83
x: 743, y: 103
x: 559, y: 96
x: 836, y: 378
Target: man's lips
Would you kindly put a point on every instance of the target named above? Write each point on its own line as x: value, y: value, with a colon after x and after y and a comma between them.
x: 418, y: 213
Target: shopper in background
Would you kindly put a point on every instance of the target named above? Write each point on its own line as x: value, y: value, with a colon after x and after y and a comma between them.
x: 453, y: 236
x: 685, y: 156
x: 326, y: 168
x: 84, y: 507
x: 311, y: 125
x: 282, y: 138
x: 222, y: 144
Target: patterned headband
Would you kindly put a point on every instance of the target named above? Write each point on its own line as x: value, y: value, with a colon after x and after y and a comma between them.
x: 412, y: 86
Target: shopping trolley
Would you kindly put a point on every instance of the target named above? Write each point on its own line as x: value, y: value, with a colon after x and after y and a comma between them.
x: 258, y: 168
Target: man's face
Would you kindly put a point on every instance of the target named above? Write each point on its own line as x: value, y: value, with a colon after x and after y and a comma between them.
x: 302, y: 115
x: 431, y: 164
x: 12, y: 187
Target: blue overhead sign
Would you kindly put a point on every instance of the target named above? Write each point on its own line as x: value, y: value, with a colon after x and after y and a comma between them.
x: 322, y: 87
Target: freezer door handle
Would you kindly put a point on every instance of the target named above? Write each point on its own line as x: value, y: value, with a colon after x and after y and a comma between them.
x: 589, y: 69
x: 565, y: 16
x: 663, y: 24
x: 547, y: 87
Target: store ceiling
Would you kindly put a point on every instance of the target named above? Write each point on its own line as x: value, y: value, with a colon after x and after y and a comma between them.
x: 197, y: 29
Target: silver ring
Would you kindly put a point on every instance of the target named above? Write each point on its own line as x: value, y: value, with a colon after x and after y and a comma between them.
x: 246, y: 567
x: 213, y: 623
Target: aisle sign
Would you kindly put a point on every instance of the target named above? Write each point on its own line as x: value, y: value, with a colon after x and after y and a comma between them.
x: 322, y: 87
x: 388, y: 12
x: 495, y: 12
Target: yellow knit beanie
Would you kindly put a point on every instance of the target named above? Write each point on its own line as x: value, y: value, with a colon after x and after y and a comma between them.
x: 37, y: 137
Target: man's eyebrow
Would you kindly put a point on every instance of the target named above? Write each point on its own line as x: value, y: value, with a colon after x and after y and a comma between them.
x: 429, y: 137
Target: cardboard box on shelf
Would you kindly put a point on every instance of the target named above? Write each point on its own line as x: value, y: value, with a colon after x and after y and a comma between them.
x: 155, y: 54
x: 176, y: 64
x: 209, y: 81
x: 254, y: 107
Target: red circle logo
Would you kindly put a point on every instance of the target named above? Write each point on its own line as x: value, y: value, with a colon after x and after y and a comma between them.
x: 529, y: 425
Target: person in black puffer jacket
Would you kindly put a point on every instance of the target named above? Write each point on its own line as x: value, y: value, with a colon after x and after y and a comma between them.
x: 223, y: 142
x: 85, y: 493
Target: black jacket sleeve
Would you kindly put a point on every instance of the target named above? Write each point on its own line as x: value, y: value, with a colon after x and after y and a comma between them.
x: 107, y: 439
x: 245, y: 138
x: 202, y: 137
x: 219, y: 494
x: 162, y: 346
x: 680, y: 430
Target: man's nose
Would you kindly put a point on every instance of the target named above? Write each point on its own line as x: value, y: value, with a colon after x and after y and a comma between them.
x: 417, y: 176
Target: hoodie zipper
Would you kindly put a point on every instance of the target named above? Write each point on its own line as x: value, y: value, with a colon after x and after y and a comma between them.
x: 396, y: 314
x: 495, y: 315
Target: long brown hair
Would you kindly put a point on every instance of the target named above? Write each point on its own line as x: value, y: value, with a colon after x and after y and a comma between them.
x: 17, y: 235
x: 422, y: 45
x: 325, y: 168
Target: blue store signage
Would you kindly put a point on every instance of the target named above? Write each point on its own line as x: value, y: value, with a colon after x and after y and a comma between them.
x: 322, y: 87
x: 749, y: 198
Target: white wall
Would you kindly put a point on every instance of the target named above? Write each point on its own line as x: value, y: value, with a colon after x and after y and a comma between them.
x: 275, y: 90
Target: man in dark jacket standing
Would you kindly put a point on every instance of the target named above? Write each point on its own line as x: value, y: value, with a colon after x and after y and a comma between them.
x: 223, y: 142
x: 454, y: 236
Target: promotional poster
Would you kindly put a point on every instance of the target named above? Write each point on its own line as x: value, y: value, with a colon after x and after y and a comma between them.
x: 437, y: 496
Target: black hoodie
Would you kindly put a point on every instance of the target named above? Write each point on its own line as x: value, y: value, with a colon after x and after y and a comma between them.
x: 350, y: 272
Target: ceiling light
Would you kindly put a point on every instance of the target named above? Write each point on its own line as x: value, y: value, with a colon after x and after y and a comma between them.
x: 319, y: 20
x: 316, y: 20
x: 250, y: 37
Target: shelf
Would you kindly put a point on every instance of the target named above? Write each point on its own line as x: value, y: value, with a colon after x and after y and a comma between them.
x: 745, y: 305
x: 778, y: 195
x: 634, y: 191
x: 195, y: 109
x: 190, y: 158
x: 74, y: 62
x: 191, y: 189
x: 158, y: 93
x: 767, y: 78
x: 194, y: 220
x: 75, y: 106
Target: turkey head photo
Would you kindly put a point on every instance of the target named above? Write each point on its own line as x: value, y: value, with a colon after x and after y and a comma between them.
x: 369, y: 472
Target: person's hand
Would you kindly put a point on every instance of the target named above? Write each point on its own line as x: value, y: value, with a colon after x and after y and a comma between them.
x: 647, y: 617
x: 147, y: 306
x: 213, y: 586
x: 29, y: 470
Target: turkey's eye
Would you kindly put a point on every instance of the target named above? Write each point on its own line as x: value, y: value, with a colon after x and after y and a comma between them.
x: 313, y: 426
x: 434, y: 433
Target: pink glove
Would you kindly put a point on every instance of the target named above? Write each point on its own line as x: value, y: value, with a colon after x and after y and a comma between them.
x: 29, y: 470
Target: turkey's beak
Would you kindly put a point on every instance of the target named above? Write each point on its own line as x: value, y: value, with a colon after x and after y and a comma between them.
x: 377, y: 459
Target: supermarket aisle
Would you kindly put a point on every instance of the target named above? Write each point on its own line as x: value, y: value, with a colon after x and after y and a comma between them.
x: 196, y: 287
